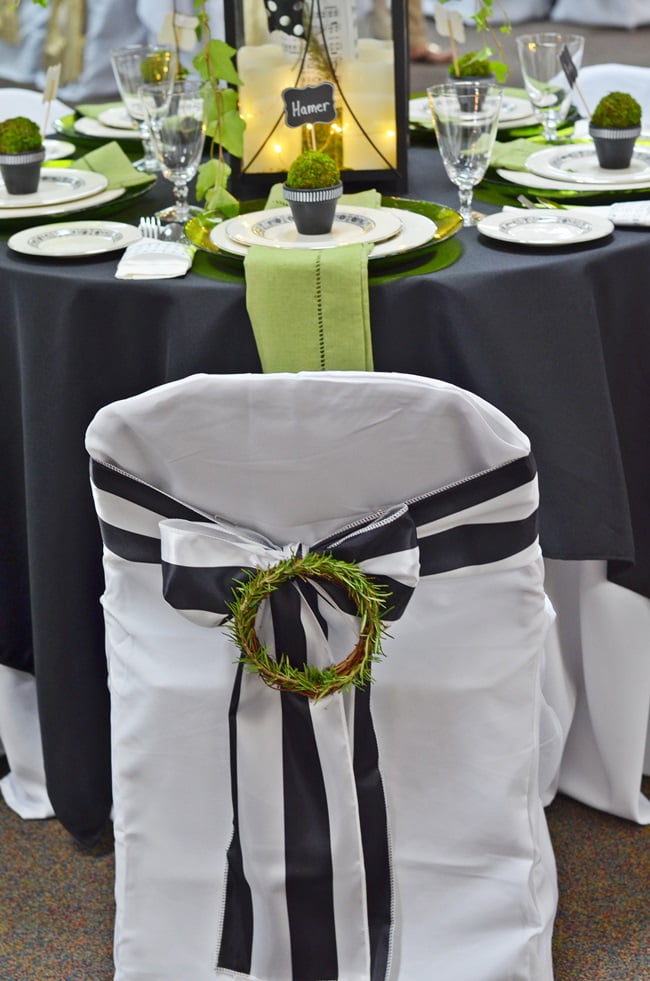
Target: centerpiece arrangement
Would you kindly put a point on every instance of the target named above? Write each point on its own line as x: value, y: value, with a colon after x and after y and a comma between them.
x: 615, y: 125
x: 312, y: 188
x: 21, y: 154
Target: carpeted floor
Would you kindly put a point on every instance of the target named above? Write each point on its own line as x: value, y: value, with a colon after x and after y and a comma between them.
x: 56, y: 899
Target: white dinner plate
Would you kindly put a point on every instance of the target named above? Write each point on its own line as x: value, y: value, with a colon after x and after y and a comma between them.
x: 416, y: 231
x: 58, y: 149
x: 512, y: 110
x: 66, y: 208
x: 276, y: 228
x: 550, y: 228
x: 577, y: 163
x: 526, y: 179
x: 57, y: 185
x: 88, y: 126
x: 116, y: 117
x: 73, y: 239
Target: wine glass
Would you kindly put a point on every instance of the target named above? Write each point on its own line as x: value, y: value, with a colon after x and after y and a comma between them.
x: 133, y: 66
x: 465, y: 117
x: 177, y: 130
x: 546, y: 83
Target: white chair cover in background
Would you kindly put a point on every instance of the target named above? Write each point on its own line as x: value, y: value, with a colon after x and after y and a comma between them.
x: 26, y: 102
x: 516, y: 10
x: 597, y: 80
x: 456, y: 705
x: 20, y: 63
x: 603, y: 13
x: 23, y: 788
x: 152, y: 14
x: 109, y: 24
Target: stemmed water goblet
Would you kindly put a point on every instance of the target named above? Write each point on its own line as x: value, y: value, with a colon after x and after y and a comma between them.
x: 133, y: 66
x: 547, y: 86
x: 465, y: 117
x: 177, y: 130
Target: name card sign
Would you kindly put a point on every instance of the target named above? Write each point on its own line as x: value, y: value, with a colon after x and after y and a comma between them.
x: 312, y: 104
x: 568, y: 66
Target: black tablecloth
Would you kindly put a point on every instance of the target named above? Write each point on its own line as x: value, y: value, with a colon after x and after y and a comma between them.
x: 558, y: 340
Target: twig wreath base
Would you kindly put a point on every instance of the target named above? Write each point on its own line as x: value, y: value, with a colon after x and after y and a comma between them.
x: 308, y: 680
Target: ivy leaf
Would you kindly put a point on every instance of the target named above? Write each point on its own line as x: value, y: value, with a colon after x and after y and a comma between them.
x: 221, y: 200
x: 231, y: 133
x: 215, y: 61
x: 210, y: 174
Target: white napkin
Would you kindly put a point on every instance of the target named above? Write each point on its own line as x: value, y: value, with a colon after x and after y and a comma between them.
x: 624, y: 214
x: 153, y: 259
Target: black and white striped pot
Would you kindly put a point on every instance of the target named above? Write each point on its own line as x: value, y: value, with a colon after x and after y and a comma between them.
x: 614, y: 147
x: 21, y: 172
x: 313, y: 208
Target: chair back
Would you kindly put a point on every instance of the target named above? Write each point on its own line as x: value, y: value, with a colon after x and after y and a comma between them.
x: 393, y: 831
x: 595, y: 81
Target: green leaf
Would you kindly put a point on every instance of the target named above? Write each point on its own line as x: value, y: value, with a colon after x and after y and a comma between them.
x: 219, y: 199
x: 231, y: 135
x: 215, y: 61
x: 501, y: 70
x: 213, y: 173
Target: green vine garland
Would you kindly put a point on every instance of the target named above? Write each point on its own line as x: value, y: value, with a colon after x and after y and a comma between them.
x: 308, y: 680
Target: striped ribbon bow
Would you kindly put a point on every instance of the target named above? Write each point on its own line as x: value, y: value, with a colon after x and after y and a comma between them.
x: 308, y: 892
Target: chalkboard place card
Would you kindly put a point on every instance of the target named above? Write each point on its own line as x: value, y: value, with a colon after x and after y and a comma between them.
x: 311, y: 104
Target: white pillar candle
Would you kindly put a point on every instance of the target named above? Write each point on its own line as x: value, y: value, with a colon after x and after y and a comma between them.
x: 368, y: 84
x: 265, y: 72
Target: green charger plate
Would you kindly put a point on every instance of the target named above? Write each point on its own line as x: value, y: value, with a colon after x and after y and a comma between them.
x: 447, y: 223
x: 64, y: 126
x: 499, y: 191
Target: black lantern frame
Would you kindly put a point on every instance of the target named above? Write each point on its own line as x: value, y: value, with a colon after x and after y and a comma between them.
x: 253, y: 176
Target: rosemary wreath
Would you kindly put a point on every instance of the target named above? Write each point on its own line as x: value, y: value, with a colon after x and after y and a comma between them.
x: 369, y: 598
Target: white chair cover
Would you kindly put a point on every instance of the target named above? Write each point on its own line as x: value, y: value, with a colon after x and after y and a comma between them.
x: 109, y: 24
x: 26, y: 102
x: 23, y: 788
x: 516, y: 11
x: 603, y: 13
x: 469, y: 891
x: 597, y: 80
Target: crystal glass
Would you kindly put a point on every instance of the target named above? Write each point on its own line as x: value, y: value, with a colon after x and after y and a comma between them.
x: 177, y: 131
x: 546, y: 84
x: 133, y: 66
x: 465, y: 117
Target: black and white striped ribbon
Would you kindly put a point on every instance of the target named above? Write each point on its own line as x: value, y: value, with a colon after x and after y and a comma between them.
x: 309, y: 893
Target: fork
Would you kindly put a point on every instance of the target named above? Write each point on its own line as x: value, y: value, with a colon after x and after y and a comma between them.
x: 150, y: 228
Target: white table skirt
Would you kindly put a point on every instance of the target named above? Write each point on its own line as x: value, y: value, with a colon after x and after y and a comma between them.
x: 598, y: 682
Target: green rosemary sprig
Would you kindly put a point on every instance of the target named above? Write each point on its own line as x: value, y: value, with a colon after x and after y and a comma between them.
x: 368, y: 596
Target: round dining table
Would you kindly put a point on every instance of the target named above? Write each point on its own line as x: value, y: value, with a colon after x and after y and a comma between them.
x: 557, y: 338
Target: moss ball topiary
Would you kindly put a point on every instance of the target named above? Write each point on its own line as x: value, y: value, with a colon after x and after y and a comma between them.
x: 617, y: 110
x: 19, y: 135
x: 313, y: 169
